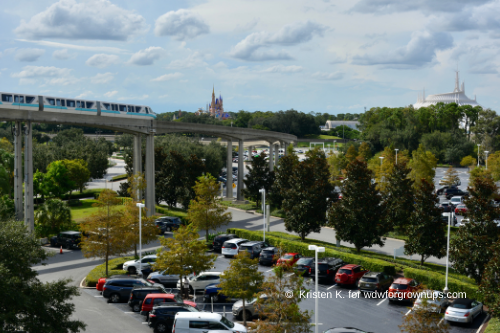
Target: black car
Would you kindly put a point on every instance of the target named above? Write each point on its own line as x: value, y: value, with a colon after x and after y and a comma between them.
x: 118, y: 290
x: 138, y: 294
x: 304, y: 266
x: 161, y: 318
x: 375, y: 281
x: 169, y: 223
x: 254, y: 248
x: 67, y: 239
x: 220, y: 239
x: 327, y: 268
x: 454, y: 191
x: 446, y: 207
x: 269, y: 256
x: 441, y: 190
x: 160, y: 224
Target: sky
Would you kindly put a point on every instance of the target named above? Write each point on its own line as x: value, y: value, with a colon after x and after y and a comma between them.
x: 330, y: 56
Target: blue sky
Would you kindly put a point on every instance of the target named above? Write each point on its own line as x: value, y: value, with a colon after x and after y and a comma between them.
x: 322, y: 56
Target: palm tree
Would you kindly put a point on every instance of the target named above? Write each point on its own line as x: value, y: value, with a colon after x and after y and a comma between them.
x: 52, y: 216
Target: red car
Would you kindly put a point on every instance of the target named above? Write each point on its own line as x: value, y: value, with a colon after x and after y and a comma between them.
x: 401, y: 289
x: 349, y: 274
x: 289, y: 259
x: 461, y: 209
x: 155, y: 299
x: 102, y: 281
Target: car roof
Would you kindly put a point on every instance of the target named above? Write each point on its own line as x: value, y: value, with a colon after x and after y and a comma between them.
x: 372, y: 274
x: 290, y: 253
x: 170, y: 305
x: 403, y: 280
x: 70, y: 232
x: 269, y: 248
x: 251, y: 243
x: 149, y: 256
x: 151, y: 288
x: 205, y: 273
x: 225, y: 235
x: 160, y: 296
x: 350, y: 266
x: 236, y: 240
x: 464, y: 301
x: 199, y: 315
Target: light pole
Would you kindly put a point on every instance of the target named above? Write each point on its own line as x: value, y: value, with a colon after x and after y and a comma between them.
x: 263, y: 191
x: 486, y: 152
x: 396, y: 156
x: 381, y: 159
x: 316, y: 249
x: 335, y: 143
x: 448, y: 251
x: 141, y: 206
x: 478, y: 153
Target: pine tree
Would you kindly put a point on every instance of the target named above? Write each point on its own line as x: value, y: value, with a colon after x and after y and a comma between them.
x: 490, y: 284
x: 258, y: 177
x: 399, y: 196
x: 365, y: 151
x: 282, y: 182
x: 451, y: 177
x: 422, y: 165
x: 426, y: 235
x: 358, y: 217
x: 352, y: 153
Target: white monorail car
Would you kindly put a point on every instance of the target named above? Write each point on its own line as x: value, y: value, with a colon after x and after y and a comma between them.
x: 74, y: 105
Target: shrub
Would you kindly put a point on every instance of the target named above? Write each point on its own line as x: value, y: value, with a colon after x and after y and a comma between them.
x: 114, y: 268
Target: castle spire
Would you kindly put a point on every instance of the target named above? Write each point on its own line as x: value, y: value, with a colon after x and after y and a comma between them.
x: 457, y: 82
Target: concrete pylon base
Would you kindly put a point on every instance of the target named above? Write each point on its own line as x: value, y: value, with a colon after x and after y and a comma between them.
x: 240, y: 202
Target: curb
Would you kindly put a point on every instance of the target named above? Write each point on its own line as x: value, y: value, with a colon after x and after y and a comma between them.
x: 480, y: 329
x: 82, y: 287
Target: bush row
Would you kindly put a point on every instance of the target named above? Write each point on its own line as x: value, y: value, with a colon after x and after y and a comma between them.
x: 376, y: 265
x: 169, y: 212
x: 114, y: 268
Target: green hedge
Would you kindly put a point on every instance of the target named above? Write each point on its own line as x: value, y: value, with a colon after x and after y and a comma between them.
x: 114, y: 268
x: 173, y: 212
x: 436, y: 281
x: 493, y: 326
x: 300, y: 247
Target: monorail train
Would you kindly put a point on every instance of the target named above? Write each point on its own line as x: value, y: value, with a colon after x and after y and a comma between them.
x: 74, y: 106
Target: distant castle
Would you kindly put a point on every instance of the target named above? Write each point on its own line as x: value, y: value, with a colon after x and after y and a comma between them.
x: 216, y: 108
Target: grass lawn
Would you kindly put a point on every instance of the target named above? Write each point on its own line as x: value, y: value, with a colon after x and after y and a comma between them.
x: 394, y: 234
x: 249, y: 206
x: 493, y: 326
x: 321, y: 136
x: 80, y: 213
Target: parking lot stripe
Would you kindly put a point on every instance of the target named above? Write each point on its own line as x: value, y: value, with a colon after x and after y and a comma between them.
x: 407, y: 312
x: 382, y: 301
x: 330, y: 287
x: 144, y: 323
x: 288, y: 275
x: 269, y: 270
x: 129, y: 312
x: 98, y: 296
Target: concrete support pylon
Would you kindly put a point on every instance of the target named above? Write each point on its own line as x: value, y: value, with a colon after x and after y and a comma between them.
x: 138, y: 158
x: 271, y: 157
x: 18, y: 171
x: 229, y: 167
x: 241, y: 172
x: 276, y: 154
x: 286, y: 148
x: 150, y: 174
x: 29, y: 212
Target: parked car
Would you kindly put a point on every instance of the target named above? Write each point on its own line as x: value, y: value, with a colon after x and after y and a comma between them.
x: 164, y: 278
x: 446, y: 207
x: 350, y: 274
x: 190, y: 322
x: 401, y: 289
x: 160, y: 226
x: 445, y: 217
x: 461, y: 209
x: 161, y: 318
x: 442, y: 189
x: 231, y: 247
x: 462, y: 223
x: 154, y: 299
x: 463, y: 310
x: 253, y: 248
x: 170, y: 223
x: 67, y: 239
x: 102, y: 281
x: 289, y: 259
x: 454, y: 191
x: 436, y: 301
x: 268, y: 256
x: 304, y: 266
x: 138, y: 294
x: 375, y: 282
x: 132, y: 266
x: 327, y: 268
x: 212, y: 292
x: 456, y: 200
x: 250, y: 309
x: 202, y: 280
x: 220, y: 239
x: 118, y: 290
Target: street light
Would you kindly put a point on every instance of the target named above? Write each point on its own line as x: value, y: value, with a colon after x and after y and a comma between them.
x: 478, y: 154
x: 263, y: 191
x: 141, y: 206
x: 396, y: 156
x: 448, y: 251
x: 381, y: 159
x: 316, y: 249
x: 486, y: 152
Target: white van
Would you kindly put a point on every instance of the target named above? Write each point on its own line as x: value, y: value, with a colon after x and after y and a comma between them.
x: 191, y: 322
x: 231, y: 247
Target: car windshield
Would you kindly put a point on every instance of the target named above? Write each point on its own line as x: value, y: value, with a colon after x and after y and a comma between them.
x: 303, y: 261
x: 368, y: 279
x: 345, y: 271
x: 248, y: 248
x: 287, y: 256
x: 268, y: 252
x: 227, y: 322
x: 460, y: 306
x: 399, y: 286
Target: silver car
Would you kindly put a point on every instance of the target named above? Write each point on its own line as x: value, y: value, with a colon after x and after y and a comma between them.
x: 249, y: 308
x: 435, y: 301
x: 164, y: 278
x: 463, y: 310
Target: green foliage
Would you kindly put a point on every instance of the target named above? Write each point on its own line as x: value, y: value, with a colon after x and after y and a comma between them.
x: 283, y: 182
x: 490, y: 285
x: 6, y: 173
x: 7, y: 208
x: 422, y: 165
x: 78, y: 172
x: 115, y: 268
x: 53, y: 216
x: 27, y: 304
x: 344, y: 132
x: 56, y: 181
x: 398, y: 197
x: 493, y: 326
x: 258, y: 177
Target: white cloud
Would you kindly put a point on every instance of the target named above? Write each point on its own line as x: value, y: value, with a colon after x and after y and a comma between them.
x: 182, y: 24
x: 91, y: 19
x: 107, y: 49
x: 166, y: 77
x: 193, y: 60
x: 128, y: 98
x: 291, y: 34
x: 42, y: 71
x: 85, y: 94
x: 427, y: 6
x: 102, y: 78
x: 29, y: 55
x: 283, y: 69
x: 111, y: 93
x: 328, y: 76
x: 220, y: 64
x: 483, y: 18
x: 102, y: 60
x: 63, y: 54
x: 148, y: 56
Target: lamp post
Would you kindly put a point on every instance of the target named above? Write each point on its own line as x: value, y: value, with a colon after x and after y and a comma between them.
x: 381, y: 159
x: 486, y: 152
x: 263, y: 191
x: 396, y: 156
x: 316, y: 249
x: 141, y: 206
x: 478, y: 153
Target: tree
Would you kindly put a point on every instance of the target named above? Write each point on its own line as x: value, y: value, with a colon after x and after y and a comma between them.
x: 385, y: 168
x: 490, y: 283
x: 6, y: 145
x: 184, y: 254
x: 206, y: 211
x: 7, y: 208
x: 78, y: 172
x: 357, y: 218
x: 242, y: 279
x: 398, y: 197
x: 422, y: 165
x: 57, y: 181
x: 27, y: 304
x: 424, y: 319
x: 282, y: 313
x: 352, y: 153
x: 336, y: 164
x: 282, y: 181
x: 305, y: 202
x: 493, y: 165
x: 426, y: 235
x: 468, y: 161
x: 472, y: 247
x: 105, y: 230
x: 258, y: 177
x: 53, y: 216
x: 451, y: 177
x: 364, y: 151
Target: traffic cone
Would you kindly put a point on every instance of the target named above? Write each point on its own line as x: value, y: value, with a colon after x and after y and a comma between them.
x: 60, y: 251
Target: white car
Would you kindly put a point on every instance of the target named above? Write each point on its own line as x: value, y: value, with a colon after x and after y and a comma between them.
x: 194, y: 322
x: 463, y: 310
x: 132, y: 266
x: 435, y: 303
x: 231, y: 247
x: 164, y: 278
x: 462, y: 222
x: 200, y: 281
x: 455, y: 201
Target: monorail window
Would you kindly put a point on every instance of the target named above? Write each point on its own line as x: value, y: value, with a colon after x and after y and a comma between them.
x: 107, y: 106
x: 63, y: 102
x: 58, y: 102
x: 6, y: 98
x: 89, y: 105
x: 78, y: 104
x: 29, y: 99
x: 123, y: 108
x: 146, y: 109
x: 70, y: 103
x: 51, y: 101
x: 138, y: 109
x: 18, y: 99
x: 130, y: 108
x: 115, y: 107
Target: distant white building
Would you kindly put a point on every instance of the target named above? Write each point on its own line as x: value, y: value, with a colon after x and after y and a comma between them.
x: 457, y: 96
x: 336, y: 123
